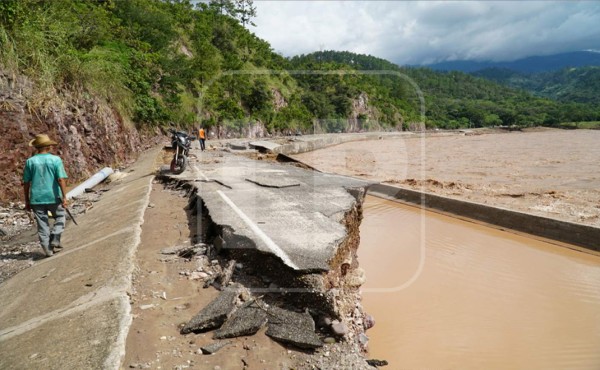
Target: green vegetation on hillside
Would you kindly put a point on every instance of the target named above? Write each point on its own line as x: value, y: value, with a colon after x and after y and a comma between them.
x: 569, y: 85
x: 159, y: 61
x: 456, y: 99
x: 155, y: 61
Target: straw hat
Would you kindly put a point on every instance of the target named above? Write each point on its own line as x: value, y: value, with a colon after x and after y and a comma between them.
x: 42, y: 140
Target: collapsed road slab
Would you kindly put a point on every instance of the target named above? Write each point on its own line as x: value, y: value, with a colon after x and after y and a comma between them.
x: 263, y: 145
x: 299, y: 221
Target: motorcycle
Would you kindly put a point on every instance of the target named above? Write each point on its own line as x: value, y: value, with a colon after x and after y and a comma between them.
x: 181, y: 143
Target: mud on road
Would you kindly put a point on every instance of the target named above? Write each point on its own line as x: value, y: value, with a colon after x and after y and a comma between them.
x: 166, y: 294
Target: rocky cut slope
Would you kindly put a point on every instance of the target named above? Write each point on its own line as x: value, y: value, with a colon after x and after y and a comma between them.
x: 91, y: 135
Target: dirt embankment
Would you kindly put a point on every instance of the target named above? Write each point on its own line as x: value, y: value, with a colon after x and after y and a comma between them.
x: 91, y: 135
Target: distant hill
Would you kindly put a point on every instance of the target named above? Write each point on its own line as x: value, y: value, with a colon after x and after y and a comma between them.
x: 580, y: 85
x: 452, y: 99
x: 533, y: 64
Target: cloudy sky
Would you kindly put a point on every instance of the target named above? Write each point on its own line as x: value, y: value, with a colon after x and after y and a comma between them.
x: 416, y: 32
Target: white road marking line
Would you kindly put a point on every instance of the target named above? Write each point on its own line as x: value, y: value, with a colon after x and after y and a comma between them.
x: 200, y: 172
x: 81, y: 304
x: 270, y: 243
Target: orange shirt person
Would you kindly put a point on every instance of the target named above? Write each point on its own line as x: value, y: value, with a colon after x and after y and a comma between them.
x: 202, y: 137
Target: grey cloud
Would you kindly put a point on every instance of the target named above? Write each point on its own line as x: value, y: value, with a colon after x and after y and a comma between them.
x: 417, y: 32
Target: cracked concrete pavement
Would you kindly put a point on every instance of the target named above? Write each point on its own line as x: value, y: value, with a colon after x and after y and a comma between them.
x: 72, y: 311
x: 290, y: 212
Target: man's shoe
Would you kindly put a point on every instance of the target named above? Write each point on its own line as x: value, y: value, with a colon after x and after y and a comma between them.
x: 56, y: 248
x: 48, y: 251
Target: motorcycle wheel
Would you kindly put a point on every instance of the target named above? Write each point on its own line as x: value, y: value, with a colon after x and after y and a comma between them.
x: 178, y: 166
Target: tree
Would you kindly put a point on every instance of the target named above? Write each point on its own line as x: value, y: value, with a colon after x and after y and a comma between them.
x: 225, y: 7
x: 242, y: 10
x: 245, y: 11
x: 492, y: 120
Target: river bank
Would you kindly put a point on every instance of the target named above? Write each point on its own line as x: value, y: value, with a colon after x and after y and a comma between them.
x: 549, y: 173
x: 546, y: 172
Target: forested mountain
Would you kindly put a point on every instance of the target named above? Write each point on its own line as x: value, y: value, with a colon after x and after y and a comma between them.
x: 453, y: 99
x: 580, y: 85
x: 161, y: 62
x: 535, y: 64
x: 154, y: 61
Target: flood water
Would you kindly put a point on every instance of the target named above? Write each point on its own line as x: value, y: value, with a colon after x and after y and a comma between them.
x: 450, y: 294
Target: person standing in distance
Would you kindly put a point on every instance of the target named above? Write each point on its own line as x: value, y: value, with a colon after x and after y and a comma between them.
x: 44, y: 186
x: 201, y: 137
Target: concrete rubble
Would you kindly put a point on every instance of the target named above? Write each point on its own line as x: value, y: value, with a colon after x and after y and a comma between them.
x: 215, y: 313
x: 293, y: 328
x: 214, y: 347
x: 246, y: 320
x: 286, y: 326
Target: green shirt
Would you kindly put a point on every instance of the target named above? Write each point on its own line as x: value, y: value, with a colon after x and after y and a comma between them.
x: 43, y: 172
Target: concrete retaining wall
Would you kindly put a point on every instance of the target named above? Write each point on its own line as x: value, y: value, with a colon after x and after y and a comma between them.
x: 313, y: 142
x: 567, y: 232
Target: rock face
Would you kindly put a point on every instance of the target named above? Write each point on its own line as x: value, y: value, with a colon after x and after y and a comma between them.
x: 90, y: 134
x: 215, y: 313
x: 278, y: 100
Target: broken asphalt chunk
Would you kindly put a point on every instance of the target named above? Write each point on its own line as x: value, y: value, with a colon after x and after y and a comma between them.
x: 377, y: 363
x: 185, y: 251
x: 215, y: 313
x: 209, y: 349
x: 294, y: 328
x: 247, y: 320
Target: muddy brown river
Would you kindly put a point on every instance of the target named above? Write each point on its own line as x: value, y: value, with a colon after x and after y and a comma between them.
x: 450, y: 294
x: 550, y: 173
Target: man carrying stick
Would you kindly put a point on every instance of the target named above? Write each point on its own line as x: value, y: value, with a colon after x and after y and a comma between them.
x: 44, y: 186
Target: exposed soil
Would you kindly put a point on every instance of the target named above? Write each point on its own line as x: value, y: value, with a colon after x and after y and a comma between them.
x: 550, y: 173
x: 165, y: 296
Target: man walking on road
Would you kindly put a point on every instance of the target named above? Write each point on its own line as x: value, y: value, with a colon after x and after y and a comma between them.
x: 201, y: 137
x: 44, y: 186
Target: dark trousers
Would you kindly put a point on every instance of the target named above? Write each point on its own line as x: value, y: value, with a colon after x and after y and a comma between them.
x: 202, y: 143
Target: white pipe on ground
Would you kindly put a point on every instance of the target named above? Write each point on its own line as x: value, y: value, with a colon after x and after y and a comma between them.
x: 91, y: 182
